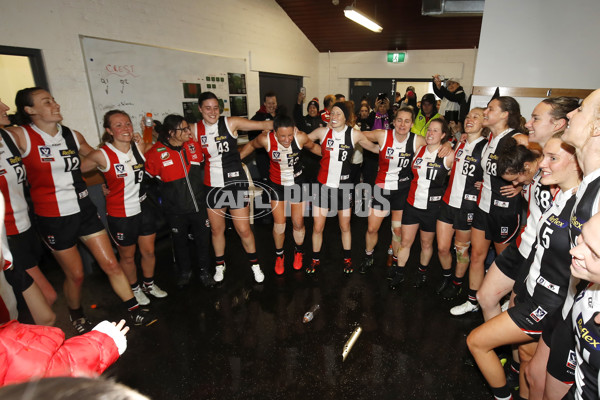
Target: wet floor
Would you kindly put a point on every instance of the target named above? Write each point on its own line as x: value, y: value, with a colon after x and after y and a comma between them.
x: 247, y: 341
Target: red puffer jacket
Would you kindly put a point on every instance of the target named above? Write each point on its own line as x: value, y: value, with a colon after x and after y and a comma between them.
x: 34, y: 351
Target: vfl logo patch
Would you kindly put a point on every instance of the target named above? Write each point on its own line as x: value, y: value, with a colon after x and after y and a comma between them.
x: 459, y: 153
x: 538, y: 314
x: 276, y: 156
x: 120, y: 170
x: 329, y: 144
x: 45, y: 154
x: 572, y: 360
x: 389, y: 153
x: 204, y: 141
x: 418, y: 162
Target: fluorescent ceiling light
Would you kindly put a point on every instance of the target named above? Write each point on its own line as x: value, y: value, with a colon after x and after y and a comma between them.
x: 361, y: 19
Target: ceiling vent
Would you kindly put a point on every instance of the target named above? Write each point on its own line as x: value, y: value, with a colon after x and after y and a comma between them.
x: 452, y: 8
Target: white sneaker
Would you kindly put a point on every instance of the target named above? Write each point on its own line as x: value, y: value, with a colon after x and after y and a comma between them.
x: 464, y: 308
x: 505, y: 305
x: 141, y: 297
x: 258, y: 274
x: 219, y: 273
x: 155, y: 291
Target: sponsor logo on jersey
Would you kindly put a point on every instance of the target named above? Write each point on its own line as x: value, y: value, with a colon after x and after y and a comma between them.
x: 471, y: 197
x: 547, y: 284
x: 538, y: 314
x: 493, y: 157
x: 575, y: 223
x: 167, y: 163
x: 165, y: 156
x: 555, y: 220
x: 433, y: 164
x: 67, y: 153
x: 389, y: 153
x: 585, y: 333
x: 572, y: 360
x: 137, y: 167
x: 45, y: 154
x: 435, y: 198
x: 120, y: 170
x: 503, y: 204
x: 159, y: 149
x: 219, y: 138
x: 192, y: 148
x: 83, y: 194
x: 204, y: 141
x: 14, y: 160
x: 234, y: 174
x: 471, y: 159
x: 276, y: 156
x: 120, y: 236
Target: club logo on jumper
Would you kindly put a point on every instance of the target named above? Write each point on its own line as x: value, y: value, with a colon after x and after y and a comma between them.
x: 192, y: 148
x: 120, y: 170
x: 329, y: 144
x: 51, y: 239
x: 389, y: 153
x: 120, y: 236
x: 165, y: 156
x: 45, y: 154
x: 538, y: 314
x: 204, y: 141
x: 572, y: 360
x: 276, y: 156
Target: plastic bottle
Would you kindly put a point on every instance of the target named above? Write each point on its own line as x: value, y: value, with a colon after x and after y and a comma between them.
x: 310, y: 314
x: 148, y: 128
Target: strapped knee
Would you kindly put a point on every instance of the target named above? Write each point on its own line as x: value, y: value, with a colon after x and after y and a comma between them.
x: 279, y: 228
x: 462, y: 252
x: 396, y: 225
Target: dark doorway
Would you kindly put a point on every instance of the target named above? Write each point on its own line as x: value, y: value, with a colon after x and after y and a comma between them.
x: 286, y: 87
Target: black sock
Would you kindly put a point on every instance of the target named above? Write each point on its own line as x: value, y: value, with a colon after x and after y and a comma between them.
x: 502, y: 393
x: 514, y: 366
x: 279, y: 252
x: 220, y: 260
x: 446, y: 274
x: 316, y: 255
x: 131, y: 304
x: 76, y: 313
x: 399, y: 270
x: 423, y: 269
x: 135, y: 286
x: 472, y: 296
x: 148, y: 282
x: 347, y: 254
x: 299, y: 248
x: 253, y: 258
x: 457, y: 281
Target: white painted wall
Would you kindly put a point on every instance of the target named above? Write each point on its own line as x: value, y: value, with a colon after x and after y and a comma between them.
x: 539, y: 43
x: 258, y: 30
x: 335, y: 69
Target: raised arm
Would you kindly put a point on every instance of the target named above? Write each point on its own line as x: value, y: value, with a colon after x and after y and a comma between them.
x: 239, y: 123
x: 259, y: 142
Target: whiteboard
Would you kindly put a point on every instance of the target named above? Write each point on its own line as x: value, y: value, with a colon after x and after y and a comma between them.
x: 140, y: 79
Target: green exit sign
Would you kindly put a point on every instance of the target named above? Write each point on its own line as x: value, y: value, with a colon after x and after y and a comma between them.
x: 396, y: 57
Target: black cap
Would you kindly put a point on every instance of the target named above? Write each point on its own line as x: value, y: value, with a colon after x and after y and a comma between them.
x: 428, y: 98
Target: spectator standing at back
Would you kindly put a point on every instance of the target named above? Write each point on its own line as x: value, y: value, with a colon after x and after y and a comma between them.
x: 426, y: 114
x: 453, y: 98
x: 328, y: 103
x: 311, y: 121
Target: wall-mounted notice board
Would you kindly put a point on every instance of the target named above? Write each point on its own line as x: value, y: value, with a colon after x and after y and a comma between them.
x: 139, y: 79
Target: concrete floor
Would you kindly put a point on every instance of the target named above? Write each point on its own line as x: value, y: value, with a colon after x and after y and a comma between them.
x: 241, y: 340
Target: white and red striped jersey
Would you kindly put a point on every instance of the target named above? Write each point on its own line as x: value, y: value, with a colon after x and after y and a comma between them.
x: 394, y: 162
x: 222, y: 158
x: 490, y: 198
x: 12, y: 185
x: 124, y: 173
x: 285, y: 166
x: 429, y: 173
x: 52, y: 164
x: 336, y: 150
x: 461, y: 191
